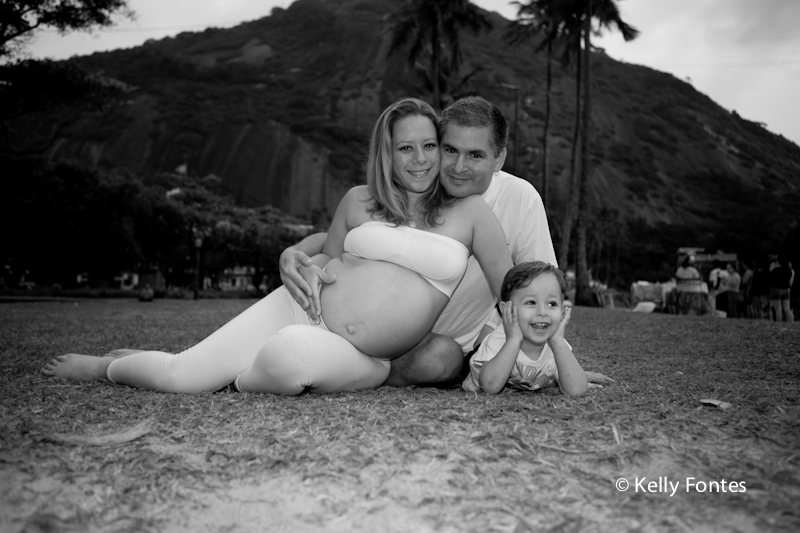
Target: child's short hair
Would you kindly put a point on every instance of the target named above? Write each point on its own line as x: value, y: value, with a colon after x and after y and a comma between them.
x: 522, y: 274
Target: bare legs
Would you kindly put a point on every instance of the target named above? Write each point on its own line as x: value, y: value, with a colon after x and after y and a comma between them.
x: 786, y: 308
x: 777, y: 310
x: 208, y: 365
x: 781, y: 310
x: 270, y: 344
x: 83, y: 367
x: 435, y: 360
x: 306, y: 358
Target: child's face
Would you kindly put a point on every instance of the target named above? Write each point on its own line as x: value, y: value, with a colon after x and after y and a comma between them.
x: 539, y: 308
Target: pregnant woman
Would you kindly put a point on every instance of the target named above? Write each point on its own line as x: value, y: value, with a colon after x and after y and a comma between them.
x: 398, y: 248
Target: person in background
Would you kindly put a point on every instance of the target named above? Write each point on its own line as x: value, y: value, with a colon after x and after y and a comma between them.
x: 688, y: 297
x: 793, y: 300
x: 759, y: 292
x: 146, y: 294
x: 730, y: 289
x: 744, y: 291
x: 713, y: 284
x: 781, y: 277
x: 688, y: 277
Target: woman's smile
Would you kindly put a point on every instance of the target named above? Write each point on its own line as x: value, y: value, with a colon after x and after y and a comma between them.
x: 415, y: 154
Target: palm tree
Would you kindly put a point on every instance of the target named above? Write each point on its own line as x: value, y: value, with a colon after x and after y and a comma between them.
x: 452, y: 83
x: 607, y: 14
x: 533, y: 21
x: 571, y: 35
x: 432, y: 27
x: 558, y: 27
x: 570, y: 29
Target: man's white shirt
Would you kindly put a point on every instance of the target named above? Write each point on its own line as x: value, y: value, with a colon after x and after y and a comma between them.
x: 519, y: 208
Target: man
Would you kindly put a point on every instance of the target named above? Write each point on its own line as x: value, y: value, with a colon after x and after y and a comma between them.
x: 473, y: 139
x: 715, y: 281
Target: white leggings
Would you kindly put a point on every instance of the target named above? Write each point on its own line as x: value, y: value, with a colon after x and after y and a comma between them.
x: 270, y: 347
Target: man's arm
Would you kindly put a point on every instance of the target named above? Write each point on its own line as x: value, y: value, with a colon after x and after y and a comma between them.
x: 532, y: 241
x: 530, y: 235
x: 300, y: 255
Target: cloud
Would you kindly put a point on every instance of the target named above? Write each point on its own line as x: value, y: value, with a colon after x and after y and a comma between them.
x: 748, y: 22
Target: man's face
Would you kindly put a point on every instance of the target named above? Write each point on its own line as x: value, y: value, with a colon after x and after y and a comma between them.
x: 468, y: 161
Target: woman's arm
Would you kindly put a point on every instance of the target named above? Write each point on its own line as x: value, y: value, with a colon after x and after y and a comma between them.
x: 334, y: 243
x: 345, y: 218
x: 489, y: 245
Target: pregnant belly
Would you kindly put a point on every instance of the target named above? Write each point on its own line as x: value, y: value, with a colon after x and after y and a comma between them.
x: 383, y: 309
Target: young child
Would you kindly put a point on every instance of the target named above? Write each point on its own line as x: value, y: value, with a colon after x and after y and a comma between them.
x: 529, y: 352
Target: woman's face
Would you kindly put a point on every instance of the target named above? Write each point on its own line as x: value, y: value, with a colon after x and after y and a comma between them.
x: 415, y: 153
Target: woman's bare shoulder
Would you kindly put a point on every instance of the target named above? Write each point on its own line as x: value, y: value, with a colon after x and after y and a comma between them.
x: 355, y: 206
x: 359, y: 192
x: 357, y: 197
x: 470, y: 204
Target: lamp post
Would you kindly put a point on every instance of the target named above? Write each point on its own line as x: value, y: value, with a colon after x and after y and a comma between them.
x: 198, y: 243
x: 516, y: 120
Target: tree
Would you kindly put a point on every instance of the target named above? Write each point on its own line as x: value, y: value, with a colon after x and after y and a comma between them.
x: 20, y: 19
x: 549, y: 22
x: 607, y: 14
x: 450, y: 82
x: 533, y: 22
x: 556, y: 26
x: 568, y: 23
x: 54, y: 208
x: 571, y: 42
x: 572, y: 198
x: 39, y: 100
x: 432, y: 28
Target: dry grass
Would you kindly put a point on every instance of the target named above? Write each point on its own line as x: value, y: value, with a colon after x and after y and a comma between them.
x: 98, y: 457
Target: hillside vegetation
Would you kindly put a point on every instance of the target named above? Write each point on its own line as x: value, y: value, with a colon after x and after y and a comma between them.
x: 280, y: 110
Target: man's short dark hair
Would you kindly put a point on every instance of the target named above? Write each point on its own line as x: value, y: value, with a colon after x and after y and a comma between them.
x: 477, y: 112
x: 522, y: 274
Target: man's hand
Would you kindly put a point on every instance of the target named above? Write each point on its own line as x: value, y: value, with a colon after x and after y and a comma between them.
x: 304, y: 287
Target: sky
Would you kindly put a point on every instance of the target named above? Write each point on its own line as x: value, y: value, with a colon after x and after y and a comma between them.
x: 743, y: 54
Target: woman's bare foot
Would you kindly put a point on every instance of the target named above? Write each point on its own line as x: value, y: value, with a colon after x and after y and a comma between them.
x: 122, y: 352
x: 78, y: 367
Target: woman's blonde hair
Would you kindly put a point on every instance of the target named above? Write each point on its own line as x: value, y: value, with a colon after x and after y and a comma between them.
x: 389, y: 197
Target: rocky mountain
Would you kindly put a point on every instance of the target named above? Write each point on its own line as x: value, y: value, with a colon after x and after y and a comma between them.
x: 280, y: 109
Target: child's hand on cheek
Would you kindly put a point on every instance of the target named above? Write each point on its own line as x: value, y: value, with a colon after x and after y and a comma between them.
x: 562, y: 328
x: 511, y: 322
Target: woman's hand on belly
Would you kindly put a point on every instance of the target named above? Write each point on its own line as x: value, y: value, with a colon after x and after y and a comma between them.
x: 383, y: 309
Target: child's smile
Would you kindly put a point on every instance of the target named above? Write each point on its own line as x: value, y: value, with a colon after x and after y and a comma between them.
x: 539, y: 308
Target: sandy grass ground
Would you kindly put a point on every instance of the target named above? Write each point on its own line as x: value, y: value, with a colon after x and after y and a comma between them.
x: 102, y: 458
